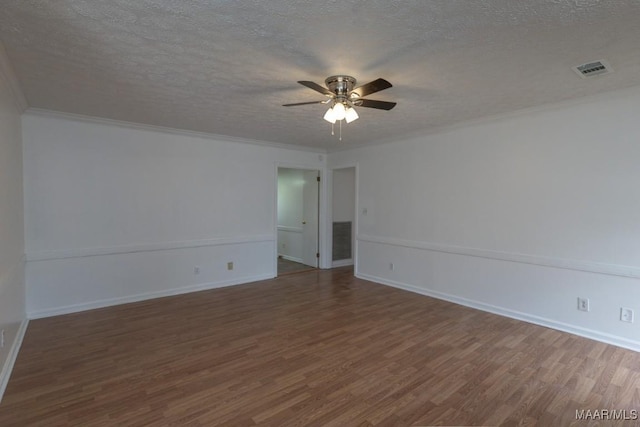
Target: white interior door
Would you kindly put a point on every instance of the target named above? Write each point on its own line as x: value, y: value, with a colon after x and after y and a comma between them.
x: 310, y: 218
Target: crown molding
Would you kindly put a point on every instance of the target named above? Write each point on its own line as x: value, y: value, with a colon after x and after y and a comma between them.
x: 8, y: 75
x: 419, y: 135
x: 167, y: 130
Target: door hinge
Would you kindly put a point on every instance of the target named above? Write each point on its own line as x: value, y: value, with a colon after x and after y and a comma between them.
x: 318, y: 178
x: 317, y: 254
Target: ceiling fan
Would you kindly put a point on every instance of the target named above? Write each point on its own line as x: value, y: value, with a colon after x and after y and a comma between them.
x: 343, y: 96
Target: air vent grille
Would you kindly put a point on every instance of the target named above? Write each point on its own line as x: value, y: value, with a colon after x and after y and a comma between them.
x: 590, y: 69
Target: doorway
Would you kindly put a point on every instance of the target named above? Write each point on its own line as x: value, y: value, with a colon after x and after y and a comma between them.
x: 343, y: 215
x: 297, y: 219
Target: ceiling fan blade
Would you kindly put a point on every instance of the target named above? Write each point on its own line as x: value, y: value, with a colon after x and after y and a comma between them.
x: 372, y: 87
x: 370, y: 103
x: 304, y: 103
x: 315, y: 86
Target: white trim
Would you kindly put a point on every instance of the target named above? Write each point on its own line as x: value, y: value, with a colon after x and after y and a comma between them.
x: 320, y: 166
x: 356, y: 216
x: 274, y: 211
x: 150, y: 247
x: 74, y: 308
x: 291, y: 258
x: 566, y: 264
x: 9, y: 76
x: 290, y: 229
x: 322, y: 206
x: 5, y: 374
x: 173, y: 131
x: 549, y: 323
x: 342, y: 263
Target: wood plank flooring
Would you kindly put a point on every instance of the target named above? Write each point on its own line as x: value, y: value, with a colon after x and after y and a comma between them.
x: 286, y: 266
x: 319, y: 348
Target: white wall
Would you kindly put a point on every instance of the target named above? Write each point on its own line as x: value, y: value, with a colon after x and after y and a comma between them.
x: 117, y: 213
x: 290, y: 202
x: 518, y: 215
x: 344, y: 194
x: 12, y: 294
x: 344, y: 201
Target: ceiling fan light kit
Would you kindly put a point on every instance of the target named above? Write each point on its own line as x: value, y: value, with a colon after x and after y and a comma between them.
x: 330, y: 116
x: 351, y: 115
x: 343, y: 97
x: 339, y: 111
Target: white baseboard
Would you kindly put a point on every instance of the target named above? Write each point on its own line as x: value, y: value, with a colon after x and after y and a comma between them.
x: 145, y: 296
x: 549, y: 323
x: 291, y: 258
x: 341, y: 263
x: 5, y: 374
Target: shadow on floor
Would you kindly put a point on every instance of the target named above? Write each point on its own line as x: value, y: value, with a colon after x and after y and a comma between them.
x: 287, y: 267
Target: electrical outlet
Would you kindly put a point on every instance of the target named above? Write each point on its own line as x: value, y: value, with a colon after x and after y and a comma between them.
x: 626, y: 315
x: 196, y: 270
x: 583, y: 304
x: 392, y: 266
x: 230, y: 265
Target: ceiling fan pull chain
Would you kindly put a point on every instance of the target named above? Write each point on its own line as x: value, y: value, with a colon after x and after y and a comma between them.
x: 340, y: 130
x: 332, y: 133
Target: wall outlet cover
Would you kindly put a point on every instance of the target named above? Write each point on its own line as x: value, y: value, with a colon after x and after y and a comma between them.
x: 626, y: 315
x: 583, y: 304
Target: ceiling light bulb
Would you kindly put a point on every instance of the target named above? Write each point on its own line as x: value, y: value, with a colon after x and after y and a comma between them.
x: 351, y: 115
x: 330, y: 116
x: 339, y: 111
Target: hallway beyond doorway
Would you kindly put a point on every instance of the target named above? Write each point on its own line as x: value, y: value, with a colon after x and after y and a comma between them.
x: 286, y: 266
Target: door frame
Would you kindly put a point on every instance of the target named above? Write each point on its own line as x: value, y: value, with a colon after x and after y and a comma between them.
x: 329, y: 213
x: 322, y: 211
x: 310, y: 216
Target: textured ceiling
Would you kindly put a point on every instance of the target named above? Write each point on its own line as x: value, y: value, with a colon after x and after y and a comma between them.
x: 225, y: 67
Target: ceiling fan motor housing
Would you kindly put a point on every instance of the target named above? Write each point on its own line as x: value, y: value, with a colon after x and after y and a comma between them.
x: 341, y: 89
x: 341, y: 86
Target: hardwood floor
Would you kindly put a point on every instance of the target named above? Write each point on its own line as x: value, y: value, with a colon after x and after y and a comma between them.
x: 286, y: 266
x: 318, y: 348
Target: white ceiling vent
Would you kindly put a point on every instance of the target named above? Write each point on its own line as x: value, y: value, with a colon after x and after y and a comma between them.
x: 596, y: 68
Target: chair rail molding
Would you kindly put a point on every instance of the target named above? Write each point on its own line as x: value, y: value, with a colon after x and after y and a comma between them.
x: 46, y: 255
x: 562, y: 263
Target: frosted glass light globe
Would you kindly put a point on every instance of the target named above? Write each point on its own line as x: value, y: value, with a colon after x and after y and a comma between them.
x: 339, y: 111
x: 330, y: 116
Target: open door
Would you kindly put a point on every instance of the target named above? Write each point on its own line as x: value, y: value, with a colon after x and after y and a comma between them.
x: 298, y: 220
x: 310, y: 195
